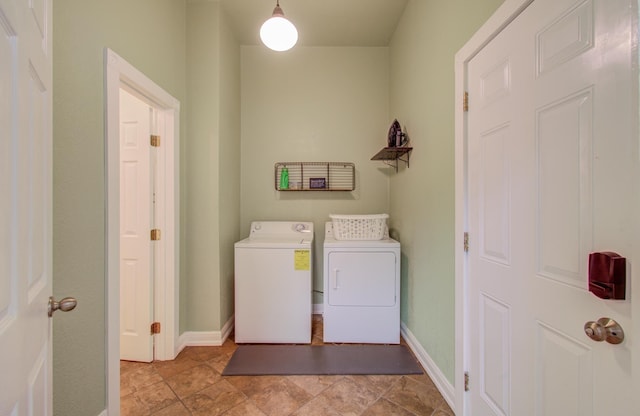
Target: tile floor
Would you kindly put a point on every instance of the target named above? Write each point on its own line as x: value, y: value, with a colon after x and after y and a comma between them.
x: 192, y: 385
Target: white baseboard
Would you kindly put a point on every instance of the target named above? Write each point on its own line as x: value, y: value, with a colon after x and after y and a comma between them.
x: 446, y: 389
x: 318, y: 308
x: 103, y: 413
x: 206, y: 338
x: 227, y: 328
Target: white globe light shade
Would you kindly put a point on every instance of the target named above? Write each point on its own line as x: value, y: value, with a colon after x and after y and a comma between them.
x: 279, y: 34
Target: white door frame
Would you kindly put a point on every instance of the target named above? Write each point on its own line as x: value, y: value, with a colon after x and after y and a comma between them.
x: 119, y: 72
x: 506, y: 13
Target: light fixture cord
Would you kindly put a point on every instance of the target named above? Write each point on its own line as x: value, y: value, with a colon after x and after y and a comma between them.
x: 277, y: 11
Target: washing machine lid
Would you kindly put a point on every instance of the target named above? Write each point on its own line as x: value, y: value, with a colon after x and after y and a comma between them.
x: 275, y: 243
x: 279, y: 234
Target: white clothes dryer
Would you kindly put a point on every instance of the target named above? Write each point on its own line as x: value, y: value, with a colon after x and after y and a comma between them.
x: 273, y: 283
x: 361, y: 290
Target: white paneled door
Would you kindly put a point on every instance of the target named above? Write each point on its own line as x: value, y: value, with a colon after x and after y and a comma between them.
x: 552, y: 165
x: 25, y: 207
x: 136, y: 217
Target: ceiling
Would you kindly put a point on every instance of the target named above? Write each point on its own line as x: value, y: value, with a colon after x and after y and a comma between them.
x: 320, y: 22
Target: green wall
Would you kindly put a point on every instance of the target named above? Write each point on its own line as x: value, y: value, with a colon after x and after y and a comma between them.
x: 213, y: 168
x: 313, y: 104
x: 229, y: 163
x: 150, y: 34
x: 199, y: 64
x: 422, y: 197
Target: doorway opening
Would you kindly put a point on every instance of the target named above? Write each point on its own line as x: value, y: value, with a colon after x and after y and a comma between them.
x: 164, y: 122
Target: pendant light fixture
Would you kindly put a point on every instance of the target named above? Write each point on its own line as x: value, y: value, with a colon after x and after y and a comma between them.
x: 278, y: 33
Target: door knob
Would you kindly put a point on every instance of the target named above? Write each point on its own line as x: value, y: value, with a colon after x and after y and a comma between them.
x: 65, y: 305
x: 605, y: 329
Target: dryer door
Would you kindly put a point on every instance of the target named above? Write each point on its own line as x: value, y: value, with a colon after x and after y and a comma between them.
x: 359, y: 278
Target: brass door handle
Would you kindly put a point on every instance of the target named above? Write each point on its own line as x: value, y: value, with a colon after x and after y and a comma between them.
x: 605, y: 329
x: 65, y: 305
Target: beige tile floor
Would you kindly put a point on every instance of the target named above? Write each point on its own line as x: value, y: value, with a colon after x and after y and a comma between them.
x: 192, y: 384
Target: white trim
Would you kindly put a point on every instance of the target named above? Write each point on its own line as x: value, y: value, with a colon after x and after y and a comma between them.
x: 318, y: 309
x: 206, y: 338
x: 104, y: 413
x: 200, y: 339
x: 433, y: 371
x: 166, y: 282
x: 498, y: 21
x: 118, y: 72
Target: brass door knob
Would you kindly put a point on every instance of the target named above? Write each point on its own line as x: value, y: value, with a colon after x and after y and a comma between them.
x: 65, y: 305
x: 605, y: 329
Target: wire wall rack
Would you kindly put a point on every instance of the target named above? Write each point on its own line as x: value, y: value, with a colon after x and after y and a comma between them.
x: 315, y: 176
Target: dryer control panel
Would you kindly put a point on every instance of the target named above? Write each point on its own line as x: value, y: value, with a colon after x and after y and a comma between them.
x: 280, y: 229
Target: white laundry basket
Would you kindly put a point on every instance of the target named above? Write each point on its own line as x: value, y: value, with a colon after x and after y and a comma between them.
x: 359, y: 227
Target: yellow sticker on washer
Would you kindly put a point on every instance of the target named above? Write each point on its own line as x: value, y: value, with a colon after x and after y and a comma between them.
x: 301, y: 260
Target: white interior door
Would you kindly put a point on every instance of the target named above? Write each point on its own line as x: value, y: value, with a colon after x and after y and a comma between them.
x: 25, y: 207
x: 136, y: 219
x: 552, y: 176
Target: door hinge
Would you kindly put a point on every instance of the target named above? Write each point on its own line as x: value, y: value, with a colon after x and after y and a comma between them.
x: 155, y: 234
x: 155, y: 140
x: 466, y: 381
x: 466, y: 242
x: 155, y: 328
x: 465, y: 101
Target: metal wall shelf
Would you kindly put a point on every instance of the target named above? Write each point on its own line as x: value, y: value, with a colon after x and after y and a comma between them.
x: 317, y: 176
x: 391, y: 155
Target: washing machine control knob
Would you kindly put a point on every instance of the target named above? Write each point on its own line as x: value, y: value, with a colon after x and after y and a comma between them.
x: 300, y: 227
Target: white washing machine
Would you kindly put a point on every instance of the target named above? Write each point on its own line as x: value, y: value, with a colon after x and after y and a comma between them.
x: 273, y: 283
x: 361, y: 290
